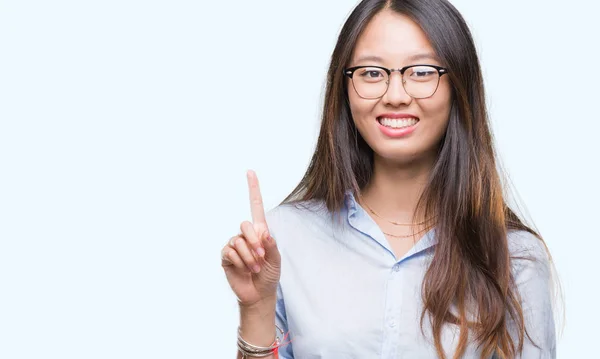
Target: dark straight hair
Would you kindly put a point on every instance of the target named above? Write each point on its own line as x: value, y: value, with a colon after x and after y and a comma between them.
x: 471, y: 263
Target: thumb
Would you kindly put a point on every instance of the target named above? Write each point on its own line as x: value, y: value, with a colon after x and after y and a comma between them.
x: 271, y: 250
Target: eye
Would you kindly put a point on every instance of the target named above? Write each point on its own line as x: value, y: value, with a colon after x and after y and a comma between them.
x: 422, y: 73
x: 372, y: 74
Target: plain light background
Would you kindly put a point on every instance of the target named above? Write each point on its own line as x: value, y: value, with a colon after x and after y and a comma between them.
x: 127, y: 127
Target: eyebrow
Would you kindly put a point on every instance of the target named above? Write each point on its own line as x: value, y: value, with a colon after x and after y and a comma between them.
x: 428, y: 56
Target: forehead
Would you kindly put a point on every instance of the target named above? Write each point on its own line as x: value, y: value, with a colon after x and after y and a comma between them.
x: 393, y: 38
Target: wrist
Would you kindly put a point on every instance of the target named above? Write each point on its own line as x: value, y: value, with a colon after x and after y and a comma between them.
x: 257, y: 322
x: 259, y: 306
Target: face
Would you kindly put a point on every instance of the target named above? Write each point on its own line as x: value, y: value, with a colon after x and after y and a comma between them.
x: 396, y: 41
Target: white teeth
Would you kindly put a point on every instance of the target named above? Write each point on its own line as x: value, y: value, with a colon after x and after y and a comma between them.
x: 398, y: 123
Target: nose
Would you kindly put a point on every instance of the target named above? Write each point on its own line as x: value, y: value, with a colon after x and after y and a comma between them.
x: 395, y: 94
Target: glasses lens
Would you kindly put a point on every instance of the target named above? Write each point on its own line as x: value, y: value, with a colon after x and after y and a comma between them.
x: 421, y: 81
x: 370, y: 82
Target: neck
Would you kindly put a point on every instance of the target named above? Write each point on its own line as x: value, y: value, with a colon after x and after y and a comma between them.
x: 395, y: 189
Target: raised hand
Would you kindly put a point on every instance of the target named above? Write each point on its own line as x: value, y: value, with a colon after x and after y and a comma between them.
x: 251, y: 260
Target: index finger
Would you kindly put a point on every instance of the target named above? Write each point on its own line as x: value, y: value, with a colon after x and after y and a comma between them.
x: 256, y: 202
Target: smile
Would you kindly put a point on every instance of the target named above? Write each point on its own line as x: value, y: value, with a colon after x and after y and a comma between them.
x: 397, y: 127
x: 398, y: 123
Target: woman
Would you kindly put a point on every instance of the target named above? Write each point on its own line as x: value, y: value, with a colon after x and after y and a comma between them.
x: 398, y: 242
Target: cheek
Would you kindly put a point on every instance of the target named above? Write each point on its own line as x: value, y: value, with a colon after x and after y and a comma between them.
x: 438, y: 110
x: 358, y: 106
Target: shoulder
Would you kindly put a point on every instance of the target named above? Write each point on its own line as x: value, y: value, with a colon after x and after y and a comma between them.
x: 302, y: 222
x: 288, y: 216
x: 529, y: 253
x: 298, y: 212
x: 524, y: 243
x: 291, y: 212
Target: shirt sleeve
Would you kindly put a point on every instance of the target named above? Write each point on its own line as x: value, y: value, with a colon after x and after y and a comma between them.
x: 275, y: 219
x: 532, y: 273
x: 285, y: 350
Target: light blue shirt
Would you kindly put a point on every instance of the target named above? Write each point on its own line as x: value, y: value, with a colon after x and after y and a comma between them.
x: 342, y: 293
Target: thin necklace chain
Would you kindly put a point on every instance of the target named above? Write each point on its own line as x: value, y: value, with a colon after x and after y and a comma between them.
x: 407, y: 235
x: 392, y: 222
x: 399, y: 224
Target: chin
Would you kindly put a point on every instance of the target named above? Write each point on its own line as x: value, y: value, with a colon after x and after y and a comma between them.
x: 399, y: 155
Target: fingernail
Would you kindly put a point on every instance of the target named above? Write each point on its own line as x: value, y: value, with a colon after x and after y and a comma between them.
x: 256, y: 268
x: 260, y: 251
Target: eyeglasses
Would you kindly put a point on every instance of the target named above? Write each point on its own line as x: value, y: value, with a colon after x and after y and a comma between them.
x: 419, y: 81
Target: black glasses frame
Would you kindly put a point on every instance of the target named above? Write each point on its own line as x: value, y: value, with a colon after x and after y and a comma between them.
x: 350, y: 72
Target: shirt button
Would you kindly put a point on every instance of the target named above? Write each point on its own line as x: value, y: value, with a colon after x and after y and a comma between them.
x: 392, y: 323
x: 396, y: 268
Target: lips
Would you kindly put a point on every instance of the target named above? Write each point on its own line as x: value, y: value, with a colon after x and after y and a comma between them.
x: 397, y: 128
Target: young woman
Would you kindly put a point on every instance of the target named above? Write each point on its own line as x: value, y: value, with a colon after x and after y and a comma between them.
x: 398, y: 242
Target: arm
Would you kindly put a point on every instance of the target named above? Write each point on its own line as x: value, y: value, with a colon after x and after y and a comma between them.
x: 252, y: 265
x: 257, y: 325
x: 285, y: 350
x: 534, y: 282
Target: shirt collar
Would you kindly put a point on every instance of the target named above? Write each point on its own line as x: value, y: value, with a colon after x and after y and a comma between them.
x: 429, y: 239
x: 350, y: 203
